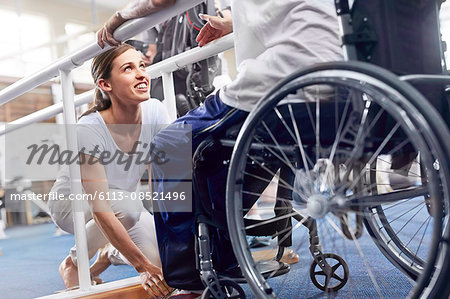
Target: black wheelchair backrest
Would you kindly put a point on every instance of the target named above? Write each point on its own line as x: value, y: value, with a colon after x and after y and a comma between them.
x: 402, y: 36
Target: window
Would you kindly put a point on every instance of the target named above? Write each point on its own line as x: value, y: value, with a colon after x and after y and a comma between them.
x: 79, y: 37
x: 25, y: 44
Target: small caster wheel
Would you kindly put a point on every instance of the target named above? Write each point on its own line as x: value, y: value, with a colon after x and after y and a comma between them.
x: 336, y: 277
x: 229, y: 289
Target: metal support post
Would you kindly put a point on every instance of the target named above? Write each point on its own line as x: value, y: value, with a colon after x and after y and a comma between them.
x: 75, y: 181
x: 169, y: 95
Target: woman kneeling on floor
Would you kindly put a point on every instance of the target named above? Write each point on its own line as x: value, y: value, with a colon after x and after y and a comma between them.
x: 113, y: 140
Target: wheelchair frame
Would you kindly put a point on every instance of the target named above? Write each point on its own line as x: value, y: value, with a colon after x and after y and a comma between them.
x: 220, y: 287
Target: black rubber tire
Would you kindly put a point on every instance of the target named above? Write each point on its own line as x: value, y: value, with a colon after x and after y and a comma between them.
x: 228, y: 286
x: 421, y: 112
x: 343, y: 280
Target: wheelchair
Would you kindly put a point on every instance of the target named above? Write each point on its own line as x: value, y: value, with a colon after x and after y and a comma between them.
x: 334, y: 138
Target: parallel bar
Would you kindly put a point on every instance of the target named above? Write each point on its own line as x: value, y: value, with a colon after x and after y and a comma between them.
x: 176, y: 62
x: 45, y: 113
x: 154, y: 71
x: 75, y: 181
x: 124, y: 32
x: 63, y: 67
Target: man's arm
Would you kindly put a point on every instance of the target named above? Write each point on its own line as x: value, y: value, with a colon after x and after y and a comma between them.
x: 134, y: 9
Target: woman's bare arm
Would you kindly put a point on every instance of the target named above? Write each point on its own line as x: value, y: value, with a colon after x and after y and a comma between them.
x: 95, y: 183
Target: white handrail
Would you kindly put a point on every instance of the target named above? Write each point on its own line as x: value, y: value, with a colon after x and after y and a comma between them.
x: 166, y: 66
x: 63, y: 67
x: 176, y: 62
x: 124, y: 32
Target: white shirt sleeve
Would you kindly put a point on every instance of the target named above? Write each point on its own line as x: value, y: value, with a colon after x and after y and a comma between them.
x: 162, y: 114
x: 90, y: 138
x: 221, y: 4
x: 155, y: 116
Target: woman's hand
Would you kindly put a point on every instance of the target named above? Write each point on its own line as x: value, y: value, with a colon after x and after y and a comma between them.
x: 214, y: 29
x: 153, y: 281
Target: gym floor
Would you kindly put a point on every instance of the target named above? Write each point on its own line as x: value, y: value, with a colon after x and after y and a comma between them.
x: 31, y: 256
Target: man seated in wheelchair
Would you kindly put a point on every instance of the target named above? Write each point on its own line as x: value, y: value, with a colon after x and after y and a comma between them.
x: 272, y: 40
x: 321, y: 132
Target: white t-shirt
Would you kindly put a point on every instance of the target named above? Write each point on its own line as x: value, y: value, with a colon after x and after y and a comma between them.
x: 274, y: 38
x: 125, y: 170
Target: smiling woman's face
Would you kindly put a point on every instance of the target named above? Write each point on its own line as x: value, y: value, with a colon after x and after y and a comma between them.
x: 128, y: 81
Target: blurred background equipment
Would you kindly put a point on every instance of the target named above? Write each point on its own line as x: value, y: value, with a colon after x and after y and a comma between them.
x: 174, y: 36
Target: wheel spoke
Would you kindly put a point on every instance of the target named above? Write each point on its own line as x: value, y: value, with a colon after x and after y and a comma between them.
x: 265, y: 179
x: 358, y: 247
x: 335, y: 276
x: 335, y: 144
x: 391, y: 152
x: 303, y: 196
x: 306, y: 159
x: 317, y: 129
x: 375, y: 155
x: 409, y: 220
x: 311, y: 118
x: 398, y: 203
x: 336, y: 266
x: 404, y: 213
x: 417, y: 231
x: 271, y: 220
x: 294, y: 228
x: 319, y: 273
x: 350, y: 161
x: 423, y: 235
x: 300, y: 143
x: 285, y: 159
x: 392, y: 172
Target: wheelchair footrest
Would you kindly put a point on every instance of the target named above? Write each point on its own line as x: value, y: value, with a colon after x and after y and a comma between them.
x: 268, y: 269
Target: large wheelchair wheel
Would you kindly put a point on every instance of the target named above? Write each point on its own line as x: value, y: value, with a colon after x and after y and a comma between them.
x: 321, y: 133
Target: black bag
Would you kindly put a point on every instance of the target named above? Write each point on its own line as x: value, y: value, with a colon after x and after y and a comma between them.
x: 176, y: 36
